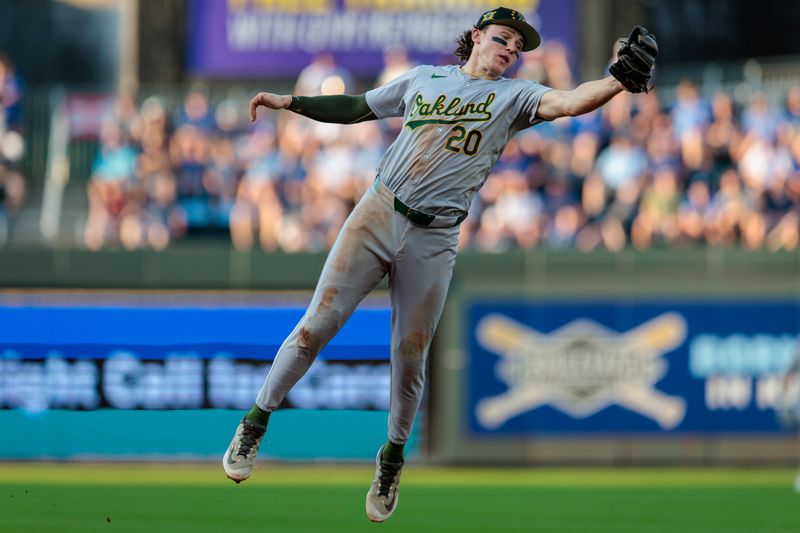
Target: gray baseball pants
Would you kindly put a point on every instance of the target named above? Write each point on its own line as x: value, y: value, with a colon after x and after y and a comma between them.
x: 375, y: 241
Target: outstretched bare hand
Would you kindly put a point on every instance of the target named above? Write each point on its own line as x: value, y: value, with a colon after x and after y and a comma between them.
x: 268, y: 100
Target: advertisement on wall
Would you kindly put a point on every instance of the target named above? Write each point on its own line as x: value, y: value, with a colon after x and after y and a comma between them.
x: 120, y: 357
x: 654, y: 367
x: 277, y: 39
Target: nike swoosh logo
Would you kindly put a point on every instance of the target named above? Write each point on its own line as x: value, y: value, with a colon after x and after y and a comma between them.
x: 437, y: 76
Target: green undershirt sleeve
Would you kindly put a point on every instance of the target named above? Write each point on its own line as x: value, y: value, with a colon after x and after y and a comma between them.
x: 341, y: 109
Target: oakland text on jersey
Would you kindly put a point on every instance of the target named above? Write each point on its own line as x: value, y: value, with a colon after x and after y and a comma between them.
x: 471, y: 111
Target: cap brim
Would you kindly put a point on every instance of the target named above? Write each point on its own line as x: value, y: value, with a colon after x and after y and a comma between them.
x: 529, y: 34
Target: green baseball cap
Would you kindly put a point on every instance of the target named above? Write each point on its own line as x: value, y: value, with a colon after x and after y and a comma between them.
x: 514, y: 19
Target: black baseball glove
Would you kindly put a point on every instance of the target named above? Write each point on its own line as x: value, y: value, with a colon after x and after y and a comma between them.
x: 635, y: 60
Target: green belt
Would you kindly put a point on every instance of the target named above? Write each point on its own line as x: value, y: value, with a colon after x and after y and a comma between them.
x: 416, y: 216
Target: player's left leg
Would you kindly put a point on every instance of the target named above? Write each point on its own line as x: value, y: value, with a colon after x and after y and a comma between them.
x: 357, y: 262
x: 418, y: 284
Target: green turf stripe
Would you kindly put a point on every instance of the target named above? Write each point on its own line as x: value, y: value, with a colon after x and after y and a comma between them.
x: 340, y: 509
x: 325, y: 475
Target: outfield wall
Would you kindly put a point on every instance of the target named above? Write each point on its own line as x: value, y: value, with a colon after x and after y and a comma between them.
x: 542, y: 357
x: 123, y: 376
x: 665, y: 357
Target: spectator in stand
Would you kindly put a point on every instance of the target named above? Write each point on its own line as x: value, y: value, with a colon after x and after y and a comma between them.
x: 190, y: 157
x: 295, y: 148
x: 190, y: 149
x: 195, y: 111
x: 557, y: 72
x: 257, y: 211
x: 621, y: 162
x: 781, y: 200
x: 642, y: 172
x: 323, y: 77
x: 656, y: 221
x: 548, y: 65
x: 531, y: 66
x: 11, y: 91
x: 760, y: 161
x: 689, y: 113
x: 224, y: 170
x: 112, y: 191
x: 759, y: 120
x: 693, y: 212
x: 161, y: 220
x: 722, y: 135
x: 12, y: 146
x: 124, y: 114
x: 395, y: 63
x: 661, y: 147
x: 728, y: 207
x: 791, y: 114
x: 12, y: 181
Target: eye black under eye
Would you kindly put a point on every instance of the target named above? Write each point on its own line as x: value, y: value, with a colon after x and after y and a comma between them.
x: 500, y: 40
x: 503, y: 42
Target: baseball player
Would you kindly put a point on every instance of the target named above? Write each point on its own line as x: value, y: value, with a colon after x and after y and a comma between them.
x: 457, y: 120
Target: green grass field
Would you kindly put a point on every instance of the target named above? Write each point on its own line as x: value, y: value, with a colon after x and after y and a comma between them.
x: 37, y: 497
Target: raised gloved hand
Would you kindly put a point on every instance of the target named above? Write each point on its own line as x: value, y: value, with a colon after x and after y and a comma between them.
x: 635, y: 60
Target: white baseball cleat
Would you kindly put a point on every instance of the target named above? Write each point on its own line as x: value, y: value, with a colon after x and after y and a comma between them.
x: 384, y: 493
x: 240, y: 458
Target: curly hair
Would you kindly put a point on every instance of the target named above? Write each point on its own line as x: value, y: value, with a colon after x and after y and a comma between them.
x: 464, y: 46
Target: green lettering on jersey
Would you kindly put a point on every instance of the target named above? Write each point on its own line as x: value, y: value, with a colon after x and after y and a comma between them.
x: 440, y: 111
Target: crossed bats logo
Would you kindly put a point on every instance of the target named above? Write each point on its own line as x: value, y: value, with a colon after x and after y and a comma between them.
x: 581, y: 368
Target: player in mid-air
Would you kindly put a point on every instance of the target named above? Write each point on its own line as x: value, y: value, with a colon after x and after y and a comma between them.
x: 457, y: 120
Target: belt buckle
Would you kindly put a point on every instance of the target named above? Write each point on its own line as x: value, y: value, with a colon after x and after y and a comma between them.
x: 418, y: 217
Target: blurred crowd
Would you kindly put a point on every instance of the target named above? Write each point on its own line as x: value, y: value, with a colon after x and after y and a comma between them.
x: 12, y: 145
x: 640, y: 172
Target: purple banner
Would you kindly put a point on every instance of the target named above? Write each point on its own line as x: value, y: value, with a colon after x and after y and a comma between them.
x: 277, y: 39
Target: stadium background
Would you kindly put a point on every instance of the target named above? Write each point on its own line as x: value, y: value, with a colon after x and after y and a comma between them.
x: 625, y: 296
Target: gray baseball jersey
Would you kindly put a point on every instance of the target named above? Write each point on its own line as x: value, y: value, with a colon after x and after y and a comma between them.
x: 455, y: 128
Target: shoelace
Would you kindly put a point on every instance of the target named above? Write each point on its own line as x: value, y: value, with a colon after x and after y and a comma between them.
x: 250, y: 436
x: 388, y: 474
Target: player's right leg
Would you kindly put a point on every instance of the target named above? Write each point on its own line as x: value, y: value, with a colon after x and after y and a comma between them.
x: 418, y: 284
x: 358, y: 260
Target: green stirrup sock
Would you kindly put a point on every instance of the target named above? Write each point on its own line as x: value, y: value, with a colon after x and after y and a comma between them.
x: 392, y: 453
x: 257, y: 416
